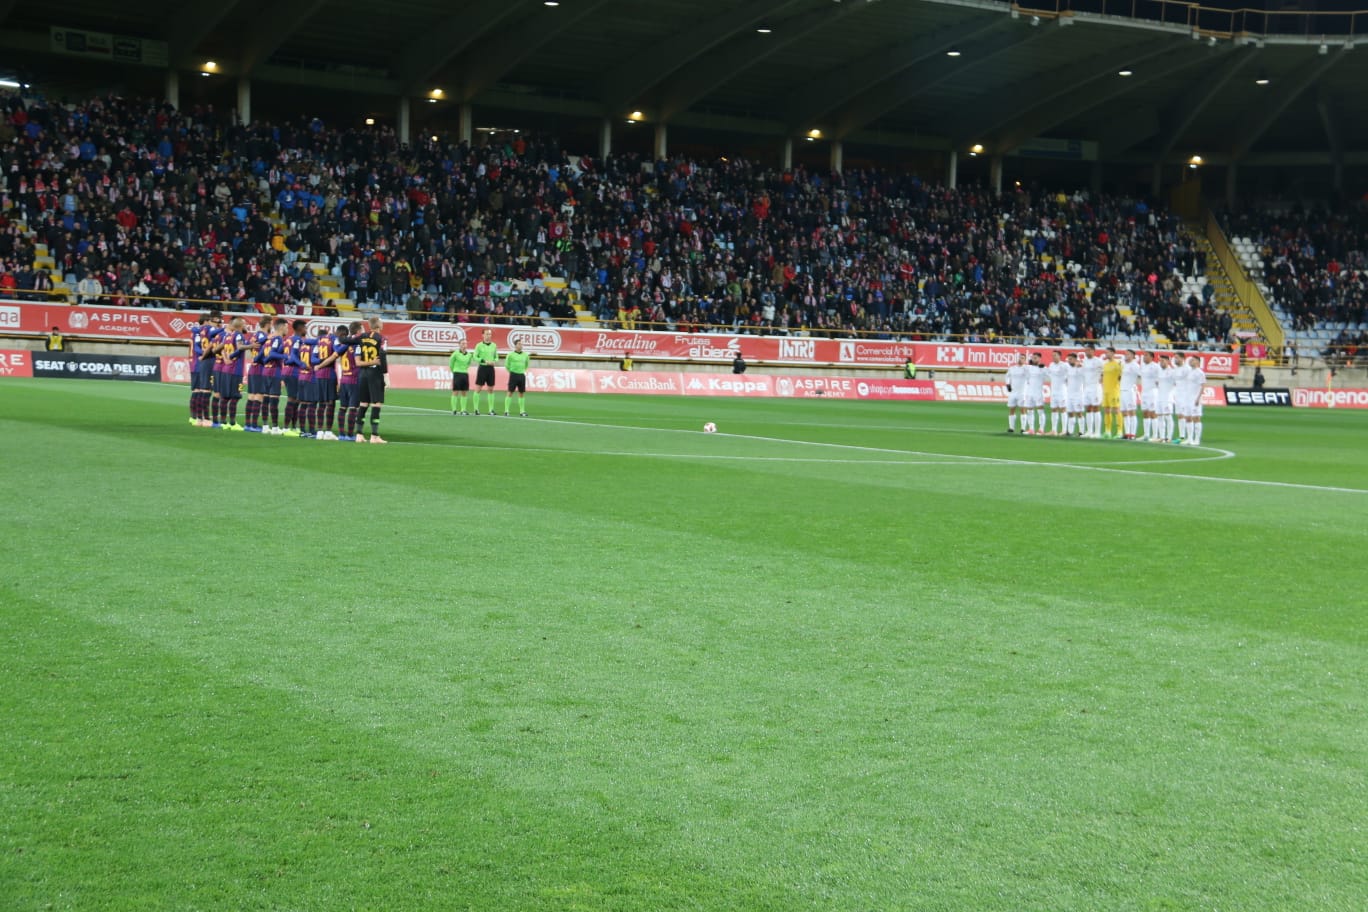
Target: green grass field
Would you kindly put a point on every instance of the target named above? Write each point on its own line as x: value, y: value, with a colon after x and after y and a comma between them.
x: 840, y: 656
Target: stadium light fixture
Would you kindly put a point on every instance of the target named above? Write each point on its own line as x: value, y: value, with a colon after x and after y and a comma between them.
x: 550, y: 2
x: 1126, y: 72
x: 210, y: 66
x: 436, y: 93
x: 1035, y: 21
x: 10, y: 84
x: 636, y: 116
x: 1262, y: 79
x: 434, y: 137
x: 976, y: 148
x: 370, y: 121
x: 764, y: 30
x: 953, y: 52
x: 814, y: 133
x: 1324, y: 49
x: 1194, y: 162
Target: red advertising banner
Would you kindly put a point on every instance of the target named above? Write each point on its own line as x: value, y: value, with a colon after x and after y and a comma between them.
x: 1330, y: 398
x: 139, y: 323
x: 16, y: 363
x: 675, y: 383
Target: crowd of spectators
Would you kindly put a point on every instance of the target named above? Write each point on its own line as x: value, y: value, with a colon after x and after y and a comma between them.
x: 1315, y: 266
x: 143, y: 204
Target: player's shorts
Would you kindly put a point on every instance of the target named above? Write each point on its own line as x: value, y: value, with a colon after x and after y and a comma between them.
x: 1013, y: 399
x: 232, y: 386
x: 1128, y: 400
x: 1111, y: 399
x: 1092, y: 396
x: 327, y: 389
x: 1195, y: 410
x: 372, y: 387
x: 1149, y: 401
x: 203, y: 376
x: 1033, y: 400
x: 256, y: 384
x: 1163, y: 405
x: 1075, y: 403
x: 517, y: 383
x: 348, y: 395
x: 270, y: 382
x: 291, y: 382
x: 484, y: 375
x: 460, y: 382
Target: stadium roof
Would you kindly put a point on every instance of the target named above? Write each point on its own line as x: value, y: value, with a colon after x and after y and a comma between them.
x: 929, y: 74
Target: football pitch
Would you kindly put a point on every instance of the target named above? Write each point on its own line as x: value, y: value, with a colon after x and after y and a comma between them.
x: 837, y: 656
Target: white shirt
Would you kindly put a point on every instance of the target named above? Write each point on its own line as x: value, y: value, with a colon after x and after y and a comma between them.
x: 1058, y: 372
x: 1016, y: 377
x: 1149, y: 375
x: 1077, y: 380
x: 1195, y: 380
x: 1035, y: 380
x: 1167, y: 377
x: 1130, y: 374
x: 1092, y: 369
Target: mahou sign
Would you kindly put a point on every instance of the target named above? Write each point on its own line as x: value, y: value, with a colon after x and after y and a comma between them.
x: 404, y: 336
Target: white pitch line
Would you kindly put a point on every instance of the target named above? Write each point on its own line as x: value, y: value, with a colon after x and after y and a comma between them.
x: 958, y: 460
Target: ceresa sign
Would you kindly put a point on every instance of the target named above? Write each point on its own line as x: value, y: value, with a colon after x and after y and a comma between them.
x: 542, y: 341
x: 435, y: 336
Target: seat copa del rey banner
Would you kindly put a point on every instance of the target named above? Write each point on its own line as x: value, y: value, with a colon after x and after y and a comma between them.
x: 404, y: 336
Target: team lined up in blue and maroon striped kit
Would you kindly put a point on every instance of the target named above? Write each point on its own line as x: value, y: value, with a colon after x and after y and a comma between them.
x: 332, y: 378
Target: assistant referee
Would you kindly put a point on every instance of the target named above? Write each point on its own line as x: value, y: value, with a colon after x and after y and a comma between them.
x: 486, y: 356
x: 516, y: 365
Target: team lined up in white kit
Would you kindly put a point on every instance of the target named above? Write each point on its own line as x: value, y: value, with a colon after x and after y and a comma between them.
x: 1106, y: 395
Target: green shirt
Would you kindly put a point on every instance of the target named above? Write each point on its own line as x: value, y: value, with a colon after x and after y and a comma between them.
x: 516, y: 362
x: 487, y: 353
x: 460, y: 361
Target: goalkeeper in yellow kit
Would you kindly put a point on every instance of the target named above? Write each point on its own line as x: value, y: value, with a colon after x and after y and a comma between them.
x: 1111, y: 396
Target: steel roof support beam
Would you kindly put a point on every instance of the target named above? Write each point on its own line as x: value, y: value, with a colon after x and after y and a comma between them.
x: 486, y: 65
x: 628, y: 81
x: 287, y: 17
x: 1287, y: 94
x: 723, y: 64
x: 7, y: 7
x: 917, y: 80
x: 1205, y: 91
x: 1056, y: 86
x: 420, y: 59
x: 829, y: 91
x: 1042, y: 117
x: 187, y: 29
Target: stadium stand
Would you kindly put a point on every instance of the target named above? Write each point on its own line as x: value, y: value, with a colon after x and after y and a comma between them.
x: 132, y: 202
x: 1312, y: 267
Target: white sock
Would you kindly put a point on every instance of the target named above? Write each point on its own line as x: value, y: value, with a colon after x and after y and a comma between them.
x: 1196, y: 434
x: 1149, y: 428
x: 1072, y: 424
x: 1028, y: 420
x: 1011, y: 421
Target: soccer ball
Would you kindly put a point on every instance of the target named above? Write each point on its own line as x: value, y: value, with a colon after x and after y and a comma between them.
x: 710, y: 428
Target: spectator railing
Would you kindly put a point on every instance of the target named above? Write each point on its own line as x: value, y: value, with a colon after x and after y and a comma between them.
x: 1210, y: 21
x: 460, y: 315
x: 1244, y: 286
